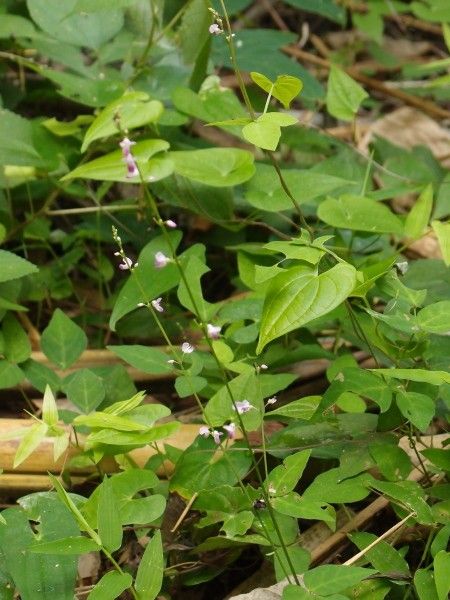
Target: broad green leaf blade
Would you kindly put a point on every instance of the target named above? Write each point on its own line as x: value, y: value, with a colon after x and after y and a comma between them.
x: 144, y: 358
x: 435, y: 318
x: 110, y: 586
x: 344, y: 95
x: 100, y: 420
x: 10, y: 374
x: 285, y: 88
x: 382, y: 556
x: 14, y: 267
x: 442, y: 574
x: 304, y: 408
x: 359, y: 214
x: 187, y: 385
x: 218, y: 167
x: 30, y: 442
x: 424, y: 585
x: 135, y: 109
x: 327, y: 8
x: 334, y: 578
x: 408, y: 494
x: 294, y: 505
x: 419, y: 215
x: 442, y: 230
x: 263, y: 135
x: 285, y: 477
x: 192, y: 298
x: 62, y: 340
x: 417, y: 408
x: 108, y: 519
x: 111, y: 167
x: 420, y: 375
x: 68, y: 545
x: 296, y: 297
x: 131, y: 438
x: 16, y: 344
x: 150, y: 572
x: 85, y: 389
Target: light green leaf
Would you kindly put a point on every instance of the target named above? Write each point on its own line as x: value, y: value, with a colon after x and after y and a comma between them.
x: 49, y: 408
x: 424, y: 585
x: 442, y: 230
x: 111, y: 167
x: 382, y: 556
x: 110, y: 586
x: 359, y: 214
x: 332, y: 579
x: 442, y: 574
x: 135, y: 109
x: 122, y: 438
x: 420, y: 375
x: 150, y: 572
x: 108, y: 518
x: 304, y: 408
x: 85, y: 389
x: 144, y: 358
x: 238, y: 524
x: 192, y: 299
x: 285, y: 477
x: 344, y: 95
x: 68, y: 545
x: 408, y: 494
x: 435, y: 318
x: 296, y: 297
x: 419, y: 215
x: 14, y: 267
x: 285, y: 88
x: 100, y: 420
x: 62, y: 340
x: 30, y: 442
x: 187, y: 385
x: 294, y: 505
x: 263, y: 135
x: 218, y: 167
x: 10, y: 374
x: 417, y: 408
x: 17, y: 346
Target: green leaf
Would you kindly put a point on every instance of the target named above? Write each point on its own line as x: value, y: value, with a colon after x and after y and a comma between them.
x: 332, y: 579
x: 329, y: 487
x: 285, y: 88
x: 68, y: 545
x: 344, y: 95
x: 100, y: 420
x: 144, y: 358
x: 263, y: 135
x: 296, y: 297
x: 294, y: 505
x: 108, y: 519
x: 85, y: 389
x: 150, y: 572
x: 61, y: 21
x: 218, y: 167
x: 326, y: 8
x: 10, y: 374
x: 383, y: 557
x: 359, y: 214
x: 439, y: 457
x: 424, y: 585
x: 410, y: 495
x: 187, y: 385
x: 111, y: 437
x: 192, y: 299
x: 392, y: 461
x: 135, y: 110
x: 30, y: 442
x: 435, y: 318
x: 420, y: 375
x: 14, y: 267
x: 238, y: 524
x: 442, y: 230
x: 40, y: 375
x: 417, y: 408
x: 419, y: 215
x: 193, y: 31
x: 304, y: 408
x: 17, y: 346
x: 441, y: 565
x: 49, y: 408
x: 111, y: 167
x: 62, y: 340
x: 111, y: 586
x: 285, y: 477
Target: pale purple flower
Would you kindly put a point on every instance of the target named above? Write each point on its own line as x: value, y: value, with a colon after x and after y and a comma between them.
x: 216, y: 436
x: 231, y: 430
x: 157, y: 305
x: 271, y: 401
x: 171, y: 224
x: 242, y: 407
x: 161, y: 260
x: 213, y: 331
x: 126, y: 264
x: 126, y: 144
x: 132, y: 169
x: 204, y: 431
x: 215, y: 29
x: 187, y: 348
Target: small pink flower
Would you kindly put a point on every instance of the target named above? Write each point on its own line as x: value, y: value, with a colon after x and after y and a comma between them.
x: 213, y: 331
x: 216, y: 436
x: 161, y: 260
x: 157, y: 305
x: 215, y: 29
x: 242, y: 407
x: 171, y: 224
x: 204, y: 431
x: 126, y: 264
x: 187, y: 348
x: 132, y: 169
x: 231, y: 430
x: 126, y: 144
